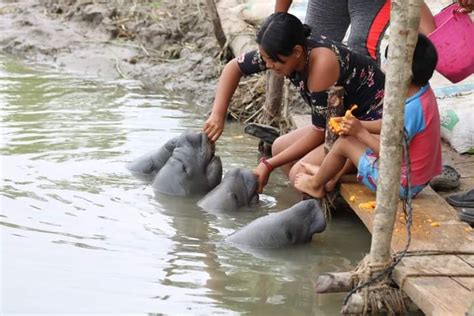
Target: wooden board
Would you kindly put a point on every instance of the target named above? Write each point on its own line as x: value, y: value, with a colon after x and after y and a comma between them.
x: 428, y: 208
x: 435, y: 295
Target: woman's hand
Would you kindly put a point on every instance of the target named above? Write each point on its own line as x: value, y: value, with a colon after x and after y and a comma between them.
x: 213, y: 127
x: 263, y: 173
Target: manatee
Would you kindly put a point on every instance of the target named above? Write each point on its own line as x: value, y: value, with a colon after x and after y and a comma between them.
x: 183, y: 166
x: 237, y: 189
x: 295, y: 225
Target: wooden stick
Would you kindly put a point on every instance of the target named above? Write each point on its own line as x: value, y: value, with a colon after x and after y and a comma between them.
x: 274, y: 94
x: 334, y: 282
x: 335, y: 108
x: 217, y: 26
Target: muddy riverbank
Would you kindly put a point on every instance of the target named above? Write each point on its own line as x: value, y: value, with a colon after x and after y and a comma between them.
x: 165, y: 44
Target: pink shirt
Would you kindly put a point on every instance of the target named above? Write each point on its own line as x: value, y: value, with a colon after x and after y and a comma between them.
x: 422, y: 127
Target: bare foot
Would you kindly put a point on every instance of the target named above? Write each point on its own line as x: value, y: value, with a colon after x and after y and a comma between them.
x: 310, y: 168
x: 330, y: 185
x: 304, y: 183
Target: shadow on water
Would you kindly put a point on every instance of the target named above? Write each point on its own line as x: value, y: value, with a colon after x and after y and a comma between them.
x: 80, y: 234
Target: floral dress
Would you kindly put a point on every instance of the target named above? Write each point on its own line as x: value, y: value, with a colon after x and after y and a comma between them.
x: 362, y: 79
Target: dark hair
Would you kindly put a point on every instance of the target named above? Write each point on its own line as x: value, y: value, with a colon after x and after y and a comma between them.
x: 425, y: 58
x: 280, y: 32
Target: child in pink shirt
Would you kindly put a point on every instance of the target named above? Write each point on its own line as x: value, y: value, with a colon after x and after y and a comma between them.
x: 421, y: 128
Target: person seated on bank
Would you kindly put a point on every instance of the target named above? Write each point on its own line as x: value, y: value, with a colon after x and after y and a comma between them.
x: 313, y: 65
x: 421, y: 129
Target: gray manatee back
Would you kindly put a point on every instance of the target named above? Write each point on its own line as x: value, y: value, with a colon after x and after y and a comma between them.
x: 295, y: 225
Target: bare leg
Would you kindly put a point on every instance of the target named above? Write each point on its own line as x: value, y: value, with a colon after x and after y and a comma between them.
x: 344, y: 148
x: 284, y: 141
x: 314, y: 157
x: 348, y: 168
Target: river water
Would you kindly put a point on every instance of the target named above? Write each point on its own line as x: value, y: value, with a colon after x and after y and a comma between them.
x: 79, y: 234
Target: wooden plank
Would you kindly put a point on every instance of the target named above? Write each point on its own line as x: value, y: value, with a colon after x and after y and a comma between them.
x: 441, y: 265
x: 437, y: 295
x: 434, y: 295
x: 428, y: 208
x: 468, y: 259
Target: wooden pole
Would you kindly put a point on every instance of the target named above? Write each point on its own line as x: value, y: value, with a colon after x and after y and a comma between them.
x: 403, y: 28
x: 334, y: 282
x: 273, y: 98
x: 217, y: 26
x: 404, y: 21
x: 335, y: 109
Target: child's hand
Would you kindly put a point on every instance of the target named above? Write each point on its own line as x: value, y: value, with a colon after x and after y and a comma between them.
x: 352, y: 126
x: 213, y: 127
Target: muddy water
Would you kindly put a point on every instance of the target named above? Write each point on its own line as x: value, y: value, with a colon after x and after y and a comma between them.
x: 79, y: 234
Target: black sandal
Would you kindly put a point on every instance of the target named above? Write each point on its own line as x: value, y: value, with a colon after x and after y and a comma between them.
x: 463, y: 199
x: 467, y: 215
x: 447, y: 180
x: 265, y: 132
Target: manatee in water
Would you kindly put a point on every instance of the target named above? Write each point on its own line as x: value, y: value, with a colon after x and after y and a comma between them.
x: 183, y: 166
x: 295, y: 225
x: 237, y: 189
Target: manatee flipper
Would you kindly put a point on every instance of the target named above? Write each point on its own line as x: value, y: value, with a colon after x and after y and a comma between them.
x: 214, y: 172
x: 149, y: 164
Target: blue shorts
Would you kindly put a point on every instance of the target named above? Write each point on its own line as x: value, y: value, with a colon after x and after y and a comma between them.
x: 368, y: 174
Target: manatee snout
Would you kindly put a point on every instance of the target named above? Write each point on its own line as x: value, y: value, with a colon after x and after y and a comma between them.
x: 237, y: 189
x: 186, y: 165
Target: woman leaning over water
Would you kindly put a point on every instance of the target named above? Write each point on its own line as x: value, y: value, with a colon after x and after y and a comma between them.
x: 313, y: 65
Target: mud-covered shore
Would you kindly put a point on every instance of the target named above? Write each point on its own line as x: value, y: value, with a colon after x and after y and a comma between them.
x: 164, y: 44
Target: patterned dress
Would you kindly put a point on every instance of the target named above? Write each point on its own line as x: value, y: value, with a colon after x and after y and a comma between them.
x: 362, y: 79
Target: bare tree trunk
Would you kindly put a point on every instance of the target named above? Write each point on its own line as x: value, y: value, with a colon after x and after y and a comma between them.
x: 273, y: 98
x: 335, y: 108
x: 217, y: 26
x: 333, y: 282
x: 403, y: 28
